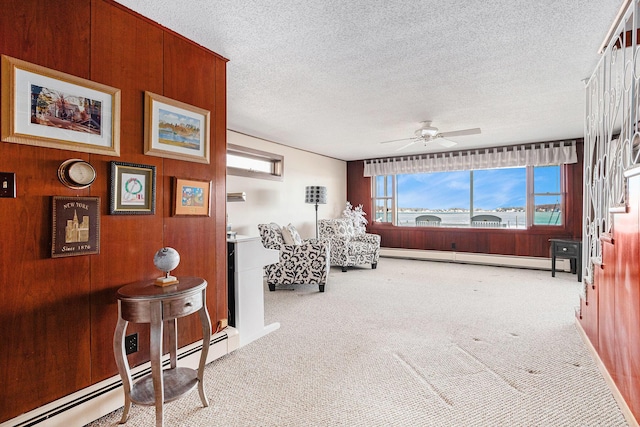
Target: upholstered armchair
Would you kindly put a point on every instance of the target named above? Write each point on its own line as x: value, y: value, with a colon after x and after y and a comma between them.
x: 302, y: 262
x: 348, y: 247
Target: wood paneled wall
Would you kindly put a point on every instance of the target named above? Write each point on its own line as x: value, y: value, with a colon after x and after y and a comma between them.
x: 533, y: 242
x: 610, y: 313
x: 58, y: 315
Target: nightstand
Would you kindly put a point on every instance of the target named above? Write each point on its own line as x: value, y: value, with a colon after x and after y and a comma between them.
x: 568, y: 249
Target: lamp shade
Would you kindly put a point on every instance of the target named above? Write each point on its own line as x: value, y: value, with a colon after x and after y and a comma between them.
x: 315, y: 194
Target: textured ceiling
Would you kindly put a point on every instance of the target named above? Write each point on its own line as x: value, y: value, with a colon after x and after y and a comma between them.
x: 337, y: 77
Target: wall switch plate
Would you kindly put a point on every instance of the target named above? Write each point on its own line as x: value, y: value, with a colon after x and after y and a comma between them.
x: 8, y: 185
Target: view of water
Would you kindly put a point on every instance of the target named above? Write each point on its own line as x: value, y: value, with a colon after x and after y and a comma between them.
x: 509, y: 219
x: 171, y: 136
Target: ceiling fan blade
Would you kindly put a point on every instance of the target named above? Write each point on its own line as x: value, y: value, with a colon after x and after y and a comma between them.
x: 447, y: 143
x: 415, y: 141
x: 473, y: 131
x: 395, y: 140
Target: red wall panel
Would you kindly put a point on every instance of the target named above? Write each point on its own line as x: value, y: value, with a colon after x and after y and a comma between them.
x: 611, y: 313
x: 62, y: 311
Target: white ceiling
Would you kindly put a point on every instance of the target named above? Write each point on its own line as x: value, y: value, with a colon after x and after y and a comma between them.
x: 336, y: 77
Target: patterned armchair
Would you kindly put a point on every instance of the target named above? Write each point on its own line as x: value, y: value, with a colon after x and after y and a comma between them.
x: 304, y: 263
x: 348, y: 248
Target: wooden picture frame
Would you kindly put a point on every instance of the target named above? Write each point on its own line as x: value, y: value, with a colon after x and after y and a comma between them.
x: 175, y: 130
x: 133, y: 189
x: 191, y: 197
x: 48, y: 108
x: 76, y: 226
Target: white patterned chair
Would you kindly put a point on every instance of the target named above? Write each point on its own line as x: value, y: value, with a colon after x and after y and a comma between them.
x: 348, y: 247
x: 303, y: 263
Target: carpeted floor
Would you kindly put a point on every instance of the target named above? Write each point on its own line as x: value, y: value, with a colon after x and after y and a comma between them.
x: 413, y: 343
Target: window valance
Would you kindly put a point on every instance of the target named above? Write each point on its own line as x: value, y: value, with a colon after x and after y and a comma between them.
x: 540, y: 154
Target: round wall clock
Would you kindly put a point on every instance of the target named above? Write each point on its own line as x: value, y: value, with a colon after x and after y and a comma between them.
x: 76, y: 173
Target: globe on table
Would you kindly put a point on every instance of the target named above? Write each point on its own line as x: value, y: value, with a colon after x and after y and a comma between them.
x: 166, y: 259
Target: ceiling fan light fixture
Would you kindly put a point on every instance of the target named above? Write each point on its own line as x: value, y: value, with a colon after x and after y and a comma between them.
x: 427, y: 132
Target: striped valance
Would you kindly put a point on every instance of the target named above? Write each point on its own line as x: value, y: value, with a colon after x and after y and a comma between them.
x: 540, y: 154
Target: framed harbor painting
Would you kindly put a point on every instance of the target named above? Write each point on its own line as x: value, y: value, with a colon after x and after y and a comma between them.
x: 175, y: 130
x: 48, y: 108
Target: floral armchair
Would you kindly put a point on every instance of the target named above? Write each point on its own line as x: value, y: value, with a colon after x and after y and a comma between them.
x: 305, y: 262
x: 348, y: 246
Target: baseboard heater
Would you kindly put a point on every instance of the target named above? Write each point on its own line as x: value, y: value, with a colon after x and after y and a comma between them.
x: 536, y: 263
x: 97, y: 400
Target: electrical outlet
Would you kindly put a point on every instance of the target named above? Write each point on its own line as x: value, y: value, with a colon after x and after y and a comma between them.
x: 131, y: 343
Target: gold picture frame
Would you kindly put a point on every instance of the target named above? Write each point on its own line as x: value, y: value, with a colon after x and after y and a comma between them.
x: 48, y: 108
x: 191, y: 197
x: 133, y: 189
x: 175, y: 130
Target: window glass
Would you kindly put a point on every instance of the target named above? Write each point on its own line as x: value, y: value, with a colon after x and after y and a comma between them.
x: 453, y: 198
x: 547, y: 195
x: 444, y: 194
x: 383, y: 201
x: 250, y: 164
x: 502, y: 193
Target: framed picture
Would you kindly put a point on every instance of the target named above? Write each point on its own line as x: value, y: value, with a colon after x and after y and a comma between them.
x: 48, y: 108
x: 175, y: 130
x: 133, y: 189
x: 191, y: 197
x: 76, y: 226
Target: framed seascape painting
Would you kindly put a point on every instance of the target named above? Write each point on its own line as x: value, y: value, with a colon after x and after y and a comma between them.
x: 48, y: 108
x: 191, y: 197
x: 76, y: 226
x: 175, y: 130
x: 133, y: 189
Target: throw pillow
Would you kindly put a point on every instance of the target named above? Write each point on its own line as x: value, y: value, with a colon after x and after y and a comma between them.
x: 359, y: 229
x: 291, y: 235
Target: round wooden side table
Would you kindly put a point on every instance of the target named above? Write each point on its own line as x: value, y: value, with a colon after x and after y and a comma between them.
x: 144, y: 302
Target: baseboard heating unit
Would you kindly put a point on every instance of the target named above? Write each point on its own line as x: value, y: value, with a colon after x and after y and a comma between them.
x: 536, y: 263
x: 95, y: 401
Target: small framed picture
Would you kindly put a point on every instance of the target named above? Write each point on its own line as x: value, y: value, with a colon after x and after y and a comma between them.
x: 175, y: 130
x: 191, y: 197
x: 76, y: 226
x: 48, y: 108
x: 133, y: 189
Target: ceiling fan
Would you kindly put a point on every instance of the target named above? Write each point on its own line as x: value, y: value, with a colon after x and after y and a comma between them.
x: 427, y: 134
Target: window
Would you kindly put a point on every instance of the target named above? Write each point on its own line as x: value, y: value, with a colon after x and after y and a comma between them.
x: 512, y: 194
x: 384, y: 201
x: 547, y: 196
x: 244, y: 161
x: 503, y: 193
